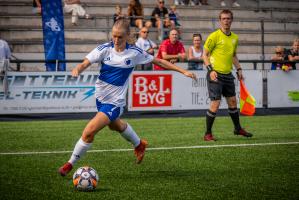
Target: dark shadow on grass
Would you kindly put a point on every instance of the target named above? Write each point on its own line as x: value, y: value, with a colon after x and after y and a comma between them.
x: 97, y: 190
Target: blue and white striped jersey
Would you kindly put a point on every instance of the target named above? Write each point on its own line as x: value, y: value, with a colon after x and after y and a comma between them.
x: 116, y: 67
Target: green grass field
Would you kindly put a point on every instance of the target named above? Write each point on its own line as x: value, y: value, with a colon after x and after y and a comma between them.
x: 248, y: 172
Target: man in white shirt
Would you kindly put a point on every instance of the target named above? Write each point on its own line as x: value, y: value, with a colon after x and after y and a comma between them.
x: 146, y: 44
x: 4, y: 50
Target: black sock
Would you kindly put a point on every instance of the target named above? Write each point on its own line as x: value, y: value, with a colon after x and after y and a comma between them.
x: 234, y: 114
x: 210, y: 117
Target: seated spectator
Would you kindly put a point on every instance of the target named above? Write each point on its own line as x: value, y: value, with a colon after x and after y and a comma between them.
x: 174, y: 17
x: 74, y: 7
x: 195, y: 53
x: 234, y: 3
x: 171, y: 49
x: 135, y: 12
x: 37, y: 7
x: 147, y: 45
x: 160, y: 10
x: 5, y: 52
x: 179, y: 2
x: 118, y: 13
x: 293, y: 54
x: 280, y: 55
x: 199, y: 2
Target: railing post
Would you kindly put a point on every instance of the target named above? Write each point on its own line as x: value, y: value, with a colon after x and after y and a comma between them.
x: 56, y: 65
x: 263, y: 44
x: 254, y: 65
x: 162, y: 28
x: 5, y: 80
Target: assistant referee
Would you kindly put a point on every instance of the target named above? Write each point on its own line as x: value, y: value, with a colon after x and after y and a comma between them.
x: 219, y: 55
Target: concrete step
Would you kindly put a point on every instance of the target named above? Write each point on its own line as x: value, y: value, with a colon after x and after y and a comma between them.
x: 212, y: 3
x: 96, y: 35
x: 205, y: 12
x: 192, y: 23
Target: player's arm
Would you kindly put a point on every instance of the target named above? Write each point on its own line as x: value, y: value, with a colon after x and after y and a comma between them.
x: 80, y: 67
x: 237, y: 66
x: 167, y: 65
x: 207, y: 64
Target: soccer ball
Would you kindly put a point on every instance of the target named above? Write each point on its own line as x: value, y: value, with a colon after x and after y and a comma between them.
x: 85, y: 179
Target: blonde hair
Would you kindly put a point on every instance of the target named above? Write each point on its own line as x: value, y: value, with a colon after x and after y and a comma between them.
x: 125, y: 25
x: 296, y: 40
x: 122, y: 24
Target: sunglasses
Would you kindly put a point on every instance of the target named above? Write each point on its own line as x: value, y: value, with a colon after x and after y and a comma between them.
x: 278, y: 52
x: 161, y: 2
x: 144, y: 31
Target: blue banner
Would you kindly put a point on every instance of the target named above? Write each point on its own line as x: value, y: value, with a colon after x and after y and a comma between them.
x: 53, y: 29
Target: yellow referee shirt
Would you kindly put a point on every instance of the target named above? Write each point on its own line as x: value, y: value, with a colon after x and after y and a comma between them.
x: 222, y: 49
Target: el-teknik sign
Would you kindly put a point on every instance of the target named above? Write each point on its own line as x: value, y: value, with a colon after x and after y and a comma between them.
x: 168, y: 90
x: 48, y: 92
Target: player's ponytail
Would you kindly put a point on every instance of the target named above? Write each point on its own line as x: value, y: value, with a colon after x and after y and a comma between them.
x: 125, y: 25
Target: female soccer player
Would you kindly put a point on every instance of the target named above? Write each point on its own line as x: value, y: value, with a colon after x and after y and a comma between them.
x: 118, y: 60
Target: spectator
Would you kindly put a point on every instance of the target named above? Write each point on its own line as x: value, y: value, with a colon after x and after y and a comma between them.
x: 74, y: 7
x: 293, y: 54
x: 4, y: 50
x: 159, y: 11
x: 135, y: 12
x: 147, y: 45
x: 199, y: 2
x: 171, y: 49
x: 234, y: 3
x: 195, y: 53
x: 118, y: 13
x: 37, y: 7
x: 179, y: 2
x: 174, y: 17
x: 280, y: 55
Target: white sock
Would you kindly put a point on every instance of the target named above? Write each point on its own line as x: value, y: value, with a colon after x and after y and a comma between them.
x: 80, y: 148
x: 130, y: 135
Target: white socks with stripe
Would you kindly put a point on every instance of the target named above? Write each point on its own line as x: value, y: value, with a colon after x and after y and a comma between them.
x: 130, y: 135
x: 80, y: 148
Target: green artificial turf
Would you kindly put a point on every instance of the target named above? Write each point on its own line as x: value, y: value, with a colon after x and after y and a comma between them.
x: 236, y: 172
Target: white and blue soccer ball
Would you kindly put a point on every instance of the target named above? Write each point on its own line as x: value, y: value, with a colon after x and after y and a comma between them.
x: 85, y: 179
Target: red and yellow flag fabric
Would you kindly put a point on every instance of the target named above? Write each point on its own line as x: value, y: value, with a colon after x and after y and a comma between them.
x: 247, y: 101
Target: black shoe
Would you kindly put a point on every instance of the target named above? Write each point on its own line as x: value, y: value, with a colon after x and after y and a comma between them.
x: 243, y: 133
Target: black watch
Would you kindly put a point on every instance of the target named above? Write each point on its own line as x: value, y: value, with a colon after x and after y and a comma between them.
x: 210, y: 68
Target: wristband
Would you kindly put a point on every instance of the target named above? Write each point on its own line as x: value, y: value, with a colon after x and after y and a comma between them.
x: 209, y: 67
x: 239, y: 69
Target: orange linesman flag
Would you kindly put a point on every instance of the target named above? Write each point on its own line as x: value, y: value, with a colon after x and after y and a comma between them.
x: 247, y: 101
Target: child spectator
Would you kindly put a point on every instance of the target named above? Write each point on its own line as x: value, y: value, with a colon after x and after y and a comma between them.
x: 174, y: 16
x: 195, y: 53
x: 174, y: 19
x: 280, y: 55
x: 293, y: 54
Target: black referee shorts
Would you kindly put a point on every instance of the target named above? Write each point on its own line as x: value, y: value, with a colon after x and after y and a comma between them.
x: 225, y: 85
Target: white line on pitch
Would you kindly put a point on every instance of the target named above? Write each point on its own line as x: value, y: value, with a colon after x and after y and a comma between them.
x: 156, y: 148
